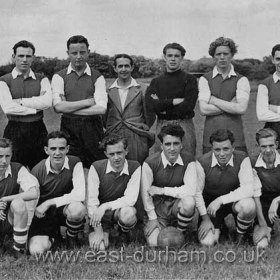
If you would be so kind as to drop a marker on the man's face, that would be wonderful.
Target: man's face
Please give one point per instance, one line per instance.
(57, 149)
(116, 155)
(171, 146)
(78, 55)
(276, 61)
(173, 59)
(223, 57)
(23, 59)
(5, 158)
(123, 68)
(222, 151)
(268, 148)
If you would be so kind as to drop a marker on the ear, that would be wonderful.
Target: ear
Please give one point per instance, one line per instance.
(105, 153)
(276, 144)
(67, 149)
(13, 57)
(46, 150)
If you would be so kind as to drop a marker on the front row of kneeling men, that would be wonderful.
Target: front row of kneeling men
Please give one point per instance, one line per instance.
(173, 185)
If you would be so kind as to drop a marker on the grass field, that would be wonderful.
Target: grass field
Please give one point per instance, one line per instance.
(224, 261)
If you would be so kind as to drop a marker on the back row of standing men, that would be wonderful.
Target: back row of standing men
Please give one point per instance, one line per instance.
(79, 93)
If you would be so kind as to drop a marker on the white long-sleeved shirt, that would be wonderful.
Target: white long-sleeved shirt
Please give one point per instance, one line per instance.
(262, 104)
(29, 105)
(130, 195)
(188, 189)
(26, 181)
(77, 194)
(242, 91)
(246, 180)
(100, 94)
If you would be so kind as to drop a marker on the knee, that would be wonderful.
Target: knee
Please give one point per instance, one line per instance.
(39, 245)
(187, 205)
(18, 206)
(246, 207)
(127, 215)
(76, 211)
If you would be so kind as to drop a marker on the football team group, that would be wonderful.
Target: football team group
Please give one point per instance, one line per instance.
(125, 155)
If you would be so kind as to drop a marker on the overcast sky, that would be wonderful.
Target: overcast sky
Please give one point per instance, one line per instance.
(140, 27)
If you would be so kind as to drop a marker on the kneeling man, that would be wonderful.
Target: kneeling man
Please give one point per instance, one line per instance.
(168, 185)
(224, 186)
(62, 192)
(267, 166)
(113, 188)
(17, 186)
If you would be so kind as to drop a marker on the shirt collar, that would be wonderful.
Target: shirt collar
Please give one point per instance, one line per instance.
(16, 73)
(70, 69)
(276, 78)
(215, 161)
(260, 162)
(166, 162)
(133, 83)
(231, 72)
(48, 164)
(109, 168)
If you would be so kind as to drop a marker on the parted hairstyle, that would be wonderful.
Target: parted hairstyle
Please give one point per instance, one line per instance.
(23, 44)
(274, 49)
(123, 55)
(57, 134)
(175, 46)
(113, 139)
(222, 41)
(221, 135)
(171, 129)
(6, 143)
(265, 133)
(77, 39)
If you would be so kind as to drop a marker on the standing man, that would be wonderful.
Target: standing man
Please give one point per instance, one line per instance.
(168, 185)
(113, 188)
(268, 100)
(62, 193)
(223, 95)
(224, 186)
(267, 166)
(79, 93)
(126, 113)
(17, 186)
(172, 97)
(24, 96)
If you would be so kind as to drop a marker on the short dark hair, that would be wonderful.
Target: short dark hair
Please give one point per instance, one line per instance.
(265, 133)
(175, 46)
(113, 139)
(221, 135)
(173, 130)
(274, 49)
(57, 134)
(77, 39)
(123, 55)
(23, 44)
(6, 143)
(222, 41)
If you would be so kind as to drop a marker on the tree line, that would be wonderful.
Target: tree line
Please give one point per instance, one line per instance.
(253, 69)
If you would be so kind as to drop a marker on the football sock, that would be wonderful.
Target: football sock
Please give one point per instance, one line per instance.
(73, 228)
(20, 238)
(183, 221)
(243, 225)
(126, 228)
